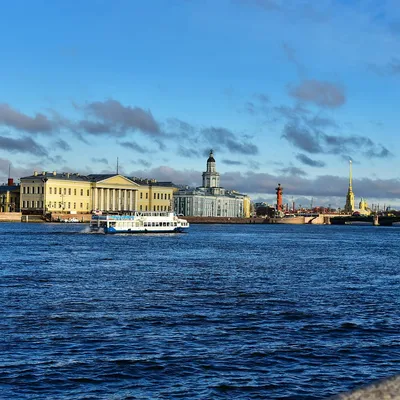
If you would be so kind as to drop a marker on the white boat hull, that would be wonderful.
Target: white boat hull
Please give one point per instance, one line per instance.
(139, 222)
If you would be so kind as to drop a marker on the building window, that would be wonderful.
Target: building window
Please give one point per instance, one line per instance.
(87, 192)
(162, 196)
(169, 196)
(158, 196)
(27, 190)
(55, 204)
(33, 189)
(42, 189)
(158, 208)
(141, 207)
(51, 190)
(55, 190)
(154, 208)
(81, 205)
(59, 190)
(74, 192)
(87, 206)
(147, 196)
(23, 203)
(146, 208)
(141, 195)
(74, 206)
(33, 204)
(155, 196)
(69, 205)
(81, 194)
(69, 192)
(65, 190)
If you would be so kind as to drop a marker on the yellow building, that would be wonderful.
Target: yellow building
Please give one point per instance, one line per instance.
(246, 207)
(74, 193)
(54, 192)
(9, 197)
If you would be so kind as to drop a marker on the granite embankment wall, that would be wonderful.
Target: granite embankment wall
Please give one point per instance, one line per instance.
(10, 217)
(388, 389)
(224, 220)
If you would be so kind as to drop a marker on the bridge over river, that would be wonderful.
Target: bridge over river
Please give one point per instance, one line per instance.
(367, 220)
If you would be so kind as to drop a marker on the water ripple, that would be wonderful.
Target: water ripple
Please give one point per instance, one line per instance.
(246, 312)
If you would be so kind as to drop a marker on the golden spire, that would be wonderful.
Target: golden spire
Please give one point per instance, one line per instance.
(349, 207)
(351, 175)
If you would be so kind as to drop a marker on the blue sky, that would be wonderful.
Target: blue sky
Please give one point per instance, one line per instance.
(283, 91)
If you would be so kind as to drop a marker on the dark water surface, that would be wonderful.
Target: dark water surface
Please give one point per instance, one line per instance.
(223, 312)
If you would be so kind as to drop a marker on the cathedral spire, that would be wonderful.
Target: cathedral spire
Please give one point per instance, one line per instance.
(349, 207)
(350, 175)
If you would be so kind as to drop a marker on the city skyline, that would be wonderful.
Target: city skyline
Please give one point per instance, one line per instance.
(284, 92)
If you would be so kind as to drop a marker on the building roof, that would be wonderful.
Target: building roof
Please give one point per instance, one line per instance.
(7, 188)
(94, 178)
(58, 176)
(211, 157)
(100, 177)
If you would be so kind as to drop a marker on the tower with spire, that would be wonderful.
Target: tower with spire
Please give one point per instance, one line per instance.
(211, 176)
(349, 207)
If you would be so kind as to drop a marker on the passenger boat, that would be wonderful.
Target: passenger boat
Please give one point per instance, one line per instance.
(138, 222)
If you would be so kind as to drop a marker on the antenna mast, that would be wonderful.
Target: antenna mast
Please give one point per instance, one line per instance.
(117, 167)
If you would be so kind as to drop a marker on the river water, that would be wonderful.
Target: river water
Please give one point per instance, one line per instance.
(223, 312)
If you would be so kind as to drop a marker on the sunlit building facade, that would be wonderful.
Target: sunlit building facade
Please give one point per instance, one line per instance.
(73, 193)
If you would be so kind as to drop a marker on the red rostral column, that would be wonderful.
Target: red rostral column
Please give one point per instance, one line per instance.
(279, 197)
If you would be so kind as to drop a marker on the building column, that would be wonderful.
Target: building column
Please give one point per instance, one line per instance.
(131, 200)
(94, 199)
(107, 198)
(101, 199)
(125, 199)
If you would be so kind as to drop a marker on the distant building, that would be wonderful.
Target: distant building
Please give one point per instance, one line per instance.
(363, 208)
(211, 200)
(72, 193)
(9, 197)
